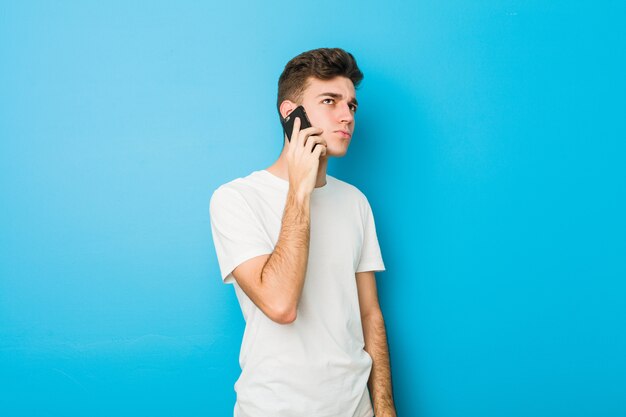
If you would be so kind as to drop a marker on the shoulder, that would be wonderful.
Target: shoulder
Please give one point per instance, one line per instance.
(348, 190)
(235, 190)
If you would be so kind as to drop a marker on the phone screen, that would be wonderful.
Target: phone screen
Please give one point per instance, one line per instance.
(291, 117)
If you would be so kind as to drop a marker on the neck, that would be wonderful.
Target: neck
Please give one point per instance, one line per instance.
(281, 170)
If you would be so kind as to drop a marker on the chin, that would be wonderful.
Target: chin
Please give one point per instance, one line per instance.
(337, 149)
(336, 153)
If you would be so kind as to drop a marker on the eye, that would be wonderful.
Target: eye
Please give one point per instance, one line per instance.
(353, 107)
(328, 101)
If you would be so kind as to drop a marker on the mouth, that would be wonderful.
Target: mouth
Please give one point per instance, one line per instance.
(344, 134)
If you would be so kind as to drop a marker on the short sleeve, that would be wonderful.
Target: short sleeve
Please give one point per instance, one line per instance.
(371, 257)
(237, 233)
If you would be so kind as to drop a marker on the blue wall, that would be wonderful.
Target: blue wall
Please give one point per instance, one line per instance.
(490, 141)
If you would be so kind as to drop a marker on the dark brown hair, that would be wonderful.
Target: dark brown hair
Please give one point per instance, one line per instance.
(323, 64)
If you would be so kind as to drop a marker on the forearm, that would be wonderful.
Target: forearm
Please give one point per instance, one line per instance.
(284, 271)
(380, 378)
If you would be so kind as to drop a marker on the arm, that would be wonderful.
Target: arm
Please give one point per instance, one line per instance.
(274, 282)
(376, 345)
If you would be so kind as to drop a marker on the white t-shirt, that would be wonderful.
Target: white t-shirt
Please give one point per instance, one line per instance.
(315, 366)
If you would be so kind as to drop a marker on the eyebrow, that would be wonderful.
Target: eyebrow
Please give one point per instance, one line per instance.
(339, 96)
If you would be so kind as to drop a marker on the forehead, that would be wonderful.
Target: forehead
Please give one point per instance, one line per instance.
(337, 85)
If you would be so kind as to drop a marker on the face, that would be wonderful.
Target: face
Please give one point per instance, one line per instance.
(331, 105)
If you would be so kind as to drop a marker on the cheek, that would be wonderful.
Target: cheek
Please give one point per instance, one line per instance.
(315, 113)
(321, 110)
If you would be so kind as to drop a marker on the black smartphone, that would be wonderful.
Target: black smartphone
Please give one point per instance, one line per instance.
(291, 117)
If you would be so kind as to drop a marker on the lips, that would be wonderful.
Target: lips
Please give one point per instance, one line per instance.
(344, 134)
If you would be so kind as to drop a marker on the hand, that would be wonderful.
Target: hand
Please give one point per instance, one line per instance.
(303, 158)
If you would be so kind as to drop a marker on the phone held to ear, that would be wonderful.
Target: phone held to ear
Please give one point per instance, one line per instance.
(291, 117)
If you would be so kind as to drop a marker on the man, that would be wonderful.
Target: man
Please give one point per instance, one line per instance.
(300, 248)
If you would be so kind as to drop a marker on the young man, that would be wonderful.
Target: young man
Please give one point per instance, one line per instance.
(300, 248)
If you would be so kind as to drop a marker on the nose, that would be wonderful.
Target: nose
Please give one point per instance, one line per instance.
(345, 114)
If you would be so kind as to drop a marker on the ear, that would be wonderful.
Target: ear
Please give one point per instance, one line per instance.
(287, 107)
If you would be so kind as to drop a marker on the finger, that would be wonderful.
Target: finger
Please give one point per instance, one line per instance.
(313, 141)
(320, 149)
(311, 131)
(299, 144)
(295, 132)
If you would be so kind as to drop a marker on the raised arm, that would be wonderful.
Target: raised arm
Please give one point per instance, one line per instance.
(274, 282)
